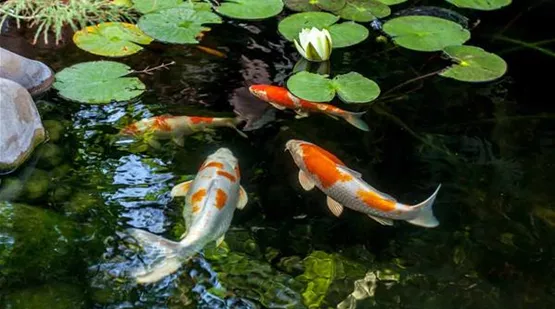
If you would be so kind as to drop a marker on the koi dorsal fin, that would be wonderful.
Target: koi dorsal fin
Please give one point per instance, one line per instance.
(350, 171)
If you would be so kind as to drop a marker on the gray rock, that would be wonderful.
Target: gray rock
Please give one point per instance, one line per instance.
(21, 128)
(36, 76)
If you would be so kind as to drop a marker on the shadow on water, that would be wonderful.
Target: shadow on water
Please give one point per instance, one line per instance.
(492, 146)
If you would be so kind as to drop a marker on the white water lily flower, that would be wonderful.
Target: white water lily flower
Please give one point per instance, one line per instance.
(315, 45)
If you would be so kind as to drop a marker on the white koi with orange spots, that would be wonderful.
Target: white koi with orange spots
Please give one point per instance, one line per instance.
(177, 127)
(345, 188)
(210, 201)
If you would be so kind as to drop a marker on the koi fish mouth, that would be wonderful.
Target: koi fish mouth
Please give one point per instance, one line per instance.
(292, 145)
(258, 92)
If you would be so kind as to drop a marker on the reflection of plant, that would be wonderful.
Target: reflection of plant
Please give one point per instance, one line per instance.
(54, 15)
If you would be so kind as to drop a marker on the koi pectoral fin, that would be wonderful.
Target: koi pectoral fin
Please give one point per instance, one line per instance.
(179, 141)
(181, 189)
(305, 182)
(300, 114)
(334, 206)
(243, 198)
(220, 240)
(277, 106)
(382, 221)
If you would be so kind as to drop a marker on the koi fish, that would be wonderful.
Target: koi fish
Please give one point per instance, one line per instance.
(210, 201)
(282, 99)
(177, 127)
(344, 187)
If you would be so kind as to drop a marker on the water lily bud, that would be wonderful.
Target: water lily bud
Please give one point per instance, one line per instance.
(314, 44)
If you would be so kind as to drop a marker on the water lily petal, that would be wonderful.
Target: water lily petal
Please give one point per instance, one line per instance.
(312, 54)
(304, 38)
(300, 49)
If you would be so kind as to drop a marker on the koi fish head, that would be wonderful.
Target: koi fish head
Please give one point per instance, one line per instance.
(223, 159)
(294, 146)
(137, 127)
(260, 91)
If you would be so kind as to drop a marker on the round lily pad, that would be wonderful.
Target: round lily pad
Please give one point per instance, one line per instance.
(311, 87)
(425, 33)
(364, 10)
(351, 87)
(149, 6)
(301, 5)
(178, 25)
(391, 2)
(473, 64)
(250, 9)
(347, 34)
(112, 39)
(291, 26)
(355, 88)
(331, 5)
(98, 82)
(484, 5)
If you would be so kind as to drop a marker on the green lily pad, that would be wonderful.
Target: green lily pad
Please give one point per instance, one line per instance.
(355, 88)
(98, 82)
(178, 25)
(250, 9)
(112, 39)
(425, 33)
(473, 64)
(149, 6)
(331, 5)
(347, 34)
(391, 2)
(301, 5)
(484, 5)
(351, 87)
(291, 26)
(342, 35)
(311, 87)
(364, 10)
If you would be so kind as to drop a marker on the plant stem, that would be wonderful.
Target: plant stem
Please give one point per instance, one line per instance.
(413, 80)
(538, 43)
(526, 44)
(149, 71)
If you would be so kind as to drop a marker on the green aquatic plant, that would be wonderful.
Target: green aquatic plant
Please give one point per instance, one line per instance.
(52, 16)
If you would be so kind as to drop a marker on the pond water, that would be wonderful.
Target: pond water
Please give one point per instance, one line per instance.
(490, 145)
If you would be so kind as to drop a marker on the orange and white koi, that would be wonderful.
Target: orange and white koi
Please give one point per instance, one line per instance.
(177, 127)
(210, 201)
(282, 99)
(345, 188)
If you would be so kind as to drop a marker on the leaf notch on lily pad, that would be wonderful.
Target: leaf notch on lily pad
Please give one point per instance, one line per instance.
(179, 25)
(364, 10)
(425, 33)
(484, 5)
(473, 64)
(111, 39)
(342, 35)
(351, 87)
(250, 9)
(98, 82)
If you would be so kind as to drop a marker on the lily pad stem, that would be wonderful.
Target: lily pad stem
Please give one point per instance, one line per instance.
(149, 70)
(413, 80)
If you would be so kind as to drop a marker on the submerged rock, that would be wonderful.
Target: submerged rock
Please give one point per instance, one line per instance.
(34, 75)
(21, 128)
(51, 295)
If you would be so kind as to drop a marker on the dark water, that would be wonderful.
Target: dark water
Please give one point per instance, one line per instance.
(492, 146)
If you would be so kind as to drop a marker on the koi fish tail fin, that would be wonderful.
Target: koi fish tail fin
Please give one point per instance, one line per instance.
(356, 120)
(233, 124)
(425, 217)
(161, 257)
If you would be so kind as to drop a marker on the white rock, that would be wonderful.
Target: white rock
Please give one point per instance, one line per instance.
(21, 128)
(36, 76)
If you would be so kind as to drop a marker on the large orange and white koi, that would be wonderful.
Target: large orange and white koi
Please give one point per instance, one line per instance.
(282, 99)
(177, 127)
(345, 188)
(210, 201)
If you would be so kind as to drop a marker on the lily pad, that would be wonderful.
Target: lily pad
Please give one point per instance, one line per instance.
(98, 82)
(351, 87)
(311, 87)
(301, 5)
(425, 33)
(250, 9)
(347, 34)
(342, 35)
(364, 10)
(484, 5)
(291, 26)
(331, 5)
(149, 6)
(111, 39)
(355, 88)
(178, 25)
(473, 64)
(391, 2)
